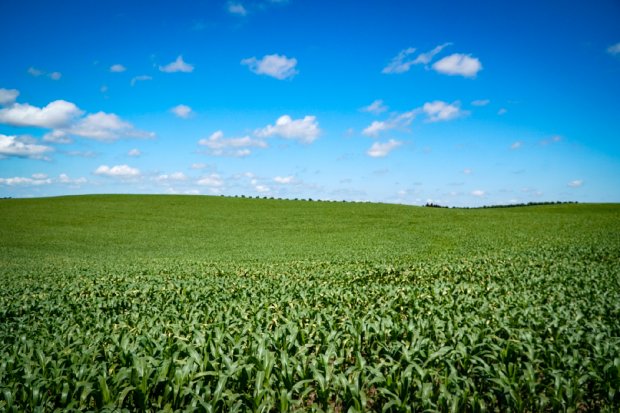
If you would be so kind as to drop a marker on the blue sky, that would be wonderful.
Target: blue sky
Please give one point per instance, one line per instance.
(457, 103)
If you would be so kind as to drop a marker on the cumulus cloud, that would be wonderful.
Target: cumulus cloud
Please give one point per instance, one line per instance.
(182, 111)
(177, 66)
(614, 49)
(170, 178)
(458, 64)
(118, 171)
(8, 96)
(21, 147)
(439, 111)
(105, 127)
(237, 147)
(478, 192)
(65, 179)
(35, 72)
(379, 150)
(399, 121)
(304, 130)
(213, 180)
(576, 183)
(274, 65)
(284, 179)
(56, 114)
(140, 78)
(237, 8)
(135, 152)
(57, 136)
(375, 107)
(35, 180)
(516, 145)
(117, 68)
(426, 58)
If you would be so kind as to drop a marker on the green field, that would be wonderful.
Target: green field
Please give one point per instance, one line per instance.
(150, 303)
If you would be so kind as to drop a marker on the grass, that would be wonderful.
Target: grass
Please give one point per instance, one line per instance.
(212, 303)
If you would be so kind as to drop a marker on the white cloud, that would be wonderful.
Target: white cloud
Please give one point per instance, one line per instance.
(105, 127)
(304, 130)
(481, 102)
(199, 166)
(401, 62)
(458, 64)
(8, 96)
(117, 68)
(284, 179)
(379, 150)
(213, 180)
(177, 66)
(55, 75)
(35, 72)
(576, 183)
(274, 65)
(614, 50)
(467, 171)
(182, 111)
(118, 171)
(502, 111)
(375, 107)
(21, 148)
(56, 114)
(171, 178)
(134, 152)
(516, 145)
(478, 192)
(37, 179)
(238, 147)
(261, 188)
(57, 136)
(237, 8)
(426, 58)
(439, 111)
(140, 78)
(399, 121)
(65, 179)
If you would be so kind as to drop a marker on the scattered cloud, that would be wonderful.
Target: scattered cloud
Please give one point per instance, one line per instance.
(56, 114)
(8, 96)
(576, 183)
(379, 150)
(177, 66)
(118, 171)
(35, 72)
(65, 179)
(614, 49)
(439, 111)
(478, 192)
(467, 171)
(426, 58)
(458, 64)
(304, 130)
(375, 107)
(274, 65)
(480, 102)
(105, 127)
(284, 179)
(117, 68)
(398, 121)
(104, 89)
(516, 145)
(140, 78)
(552, 140)
(199, 165)
(213, 180)
(55, 75)
(35, 180)
(237, 8)
(168, 179)
(135, 152)
(22, 147)
(57, 136)
(401, 62)
(502, 111)
(236, 147)
(182, 111)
